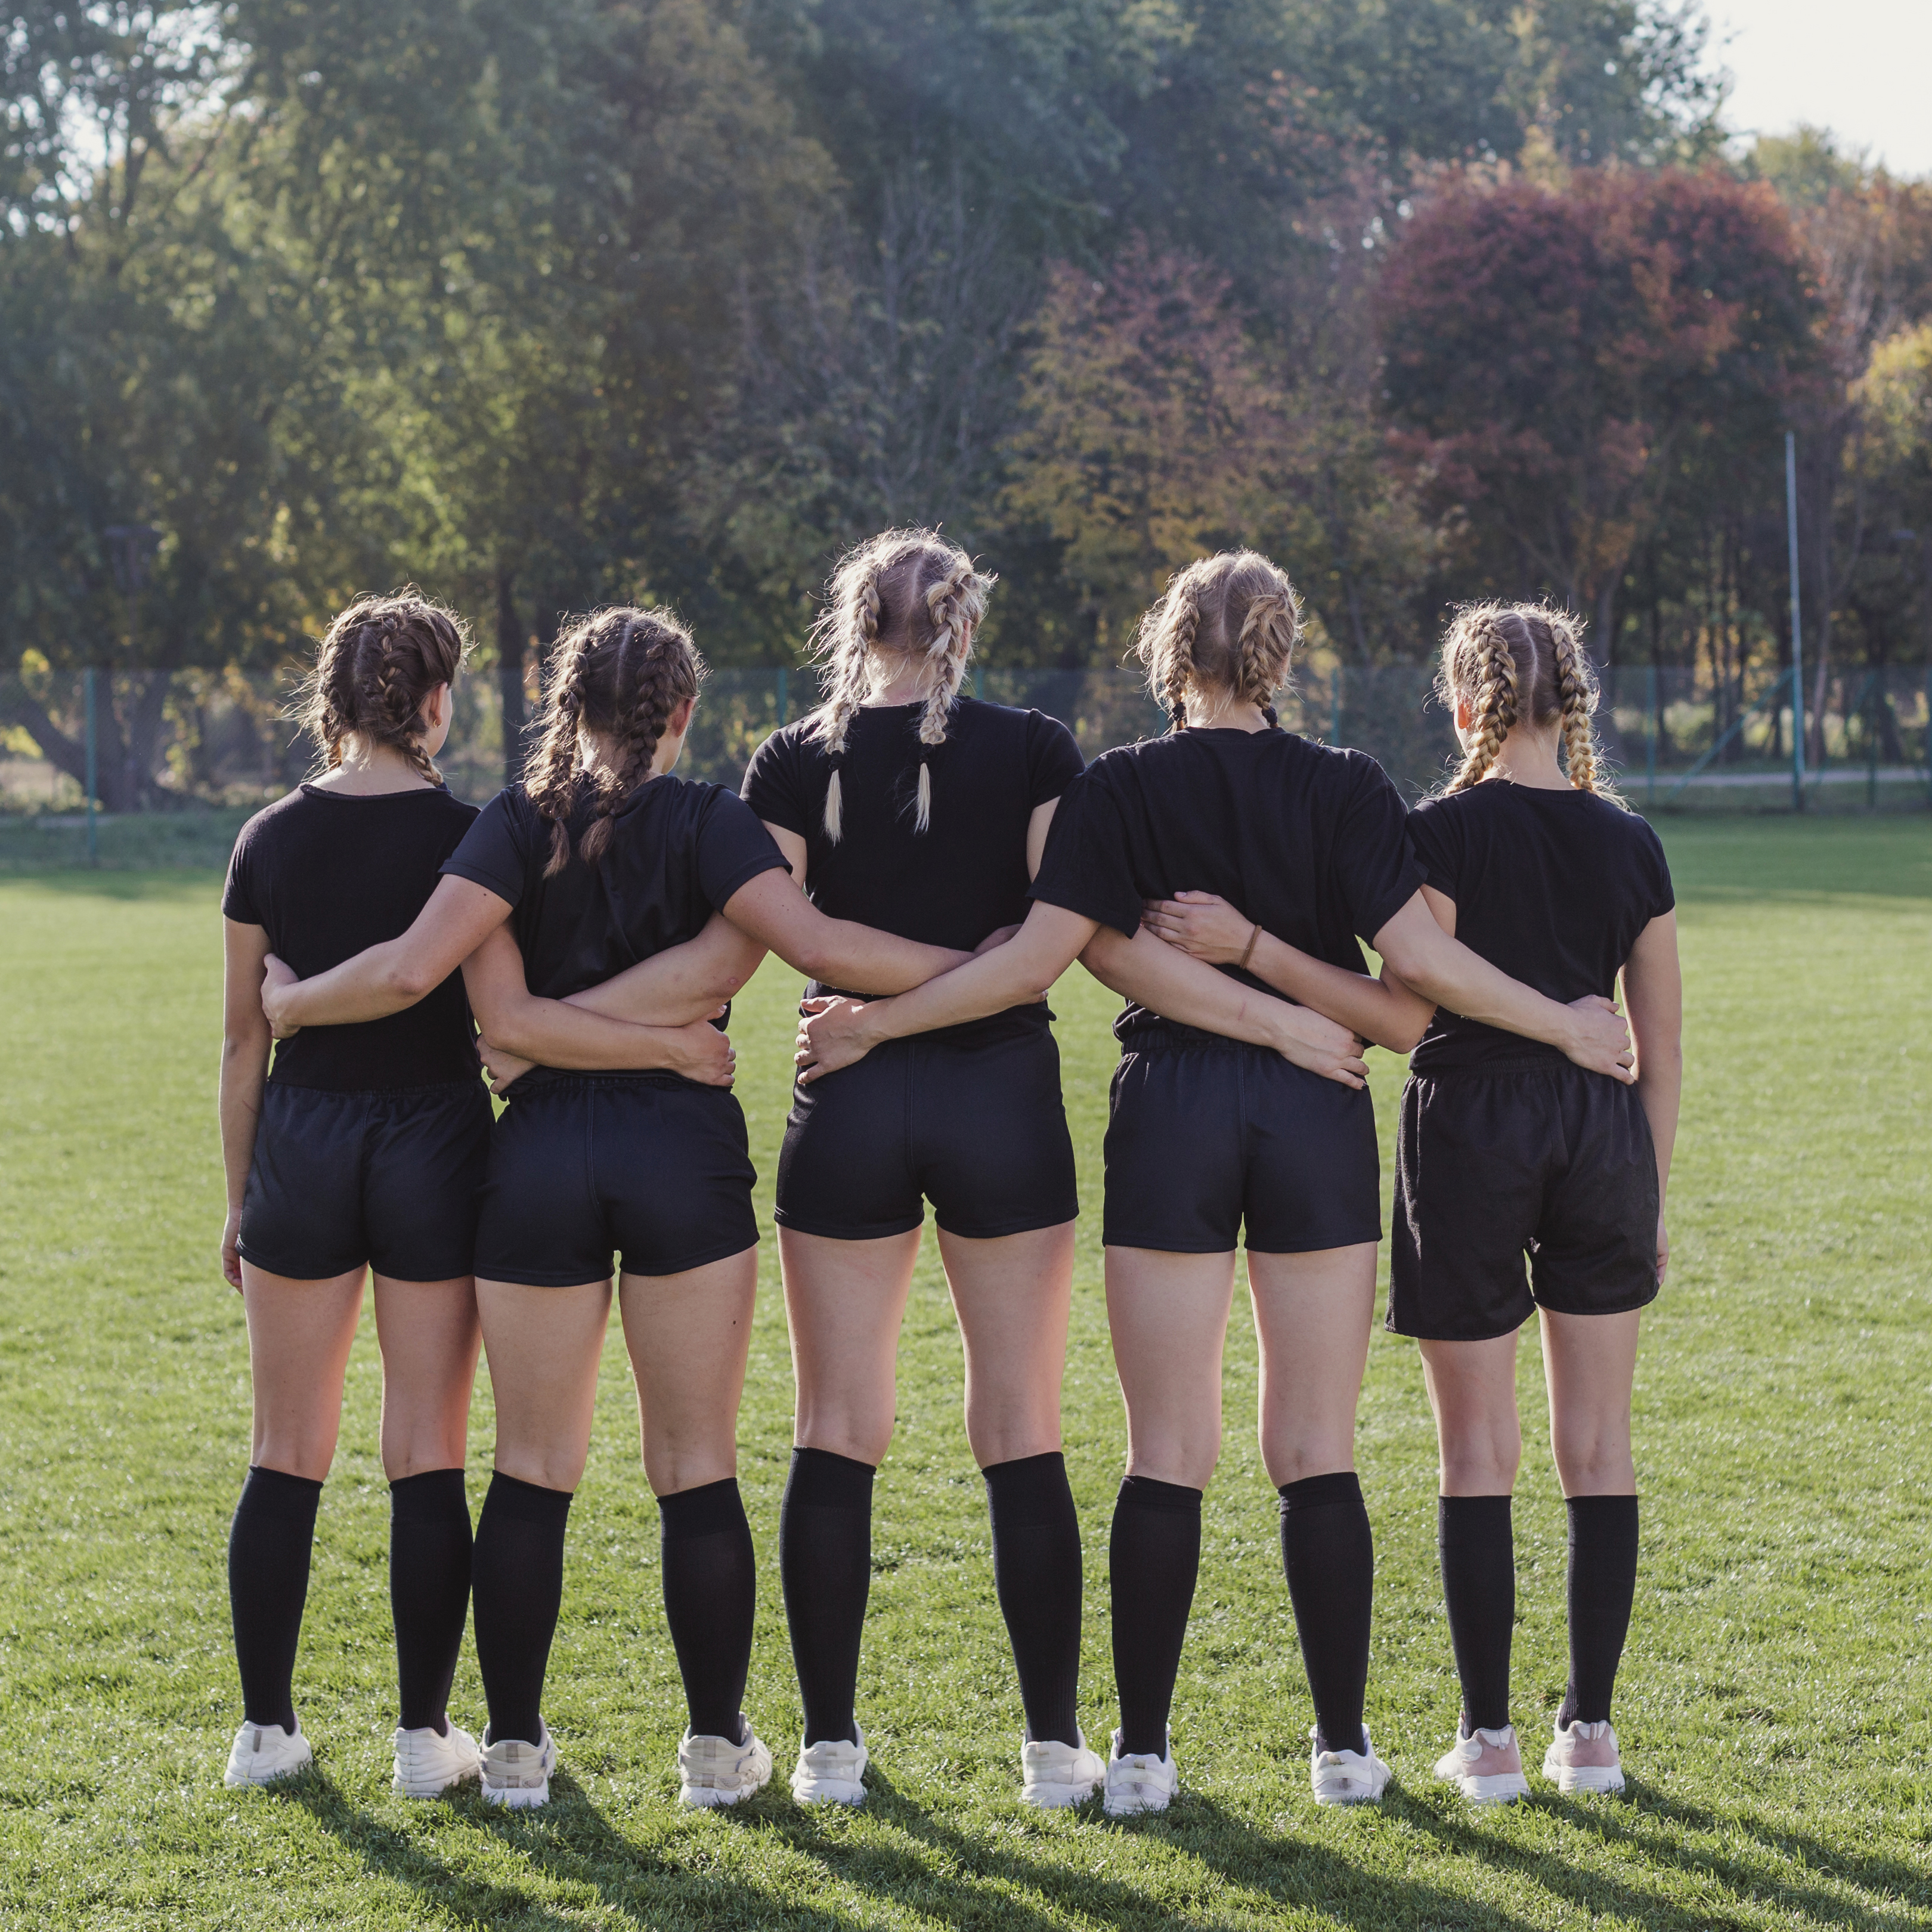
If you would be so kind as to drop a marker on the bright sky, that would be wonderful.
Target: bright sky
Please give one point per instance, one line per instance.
(1862, 68)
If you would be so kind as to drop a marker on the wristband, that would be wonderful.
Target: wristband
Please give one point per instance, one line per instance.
(1248, 951)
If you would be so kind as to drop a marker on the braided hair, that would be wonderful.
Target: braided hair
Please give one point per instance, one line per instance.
(1516, 664)
(902, 593)
(376, 668)
(1228, 627)
(619, 674)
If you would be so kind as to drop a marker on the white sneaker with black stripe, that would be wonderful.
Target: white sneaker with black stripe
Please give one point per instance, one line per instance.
(262, 1753)
(1346, 1776)
(1139, 1781)
(516, 1773)
(712, 1771)
(1586, 1779)
(1463, 1765)
(1054, 1775)
(428, 1762)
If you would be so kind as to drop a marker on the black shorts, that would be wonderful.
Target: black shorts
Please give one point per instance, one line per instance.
(1522, 1155)
(387, 1179)
(1205, 1134)
(973, 1122)
(653, 1166)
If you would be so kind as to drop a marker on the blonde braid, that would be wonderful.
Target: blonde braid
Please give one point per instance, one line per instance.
(1494, 675)
(848, 634)
(948, 604)
(1575, 693)
(1269, 633)
(1183, 625)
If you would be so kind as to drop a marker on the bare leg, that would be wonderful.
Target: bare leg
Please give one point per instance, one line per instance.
(544, 1344)
(430, 1337)
(1168, 1316)
(299, 1336)
(845, 1303)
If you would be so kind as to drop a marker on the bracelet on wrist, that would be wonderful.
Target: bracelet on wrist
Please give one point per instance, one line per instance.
(1248, 951)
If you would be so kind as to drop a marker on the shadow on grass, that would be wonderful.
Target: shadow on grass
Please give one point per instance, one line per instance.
(1611, 1821)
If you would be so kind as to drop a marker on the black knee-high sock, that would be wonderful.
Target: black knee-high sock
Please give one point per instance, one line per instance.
(1478, 1547)
(1153, 1556)
(1329, 1552)
(1036, 1573)
(517, 1589)
(430, 1547)
(269, 1546)
(1602, 1581)
(825, 1563)
(711, 1593)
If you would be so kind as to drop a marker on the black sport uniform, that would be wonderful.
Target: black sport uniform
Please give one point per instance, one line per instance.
(1206, 1132)
(1504, 1144)
(372, 1140)
(649, 1163)
(968, 1116)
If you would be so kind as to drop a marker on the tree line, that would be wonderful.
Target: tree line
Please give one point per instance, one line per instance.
(541, 304)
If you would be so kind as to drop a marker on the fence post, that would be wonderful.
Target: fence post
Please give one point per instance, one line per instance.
(1797, 645)
(93, 837)
(1874, 699)
(784, 699)
(1650, 734)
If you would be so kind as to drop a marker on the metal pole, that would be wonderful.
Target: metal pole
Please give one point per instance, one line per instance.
(1797, 641)
(1650, 734)
(93, 837)
(784, 701)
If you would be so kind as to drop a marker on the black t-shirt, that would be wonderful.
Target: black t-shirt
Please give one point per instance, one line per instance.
(1552, 886)
(328, 873)
(1307, 840)
(678, 851)
(966, 874)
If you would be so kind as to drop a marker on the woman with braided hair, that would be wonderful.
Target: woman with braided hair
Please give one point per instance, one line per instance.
(604, 910)
(359, 1151)
(1505, 1146)
(1231, 1108)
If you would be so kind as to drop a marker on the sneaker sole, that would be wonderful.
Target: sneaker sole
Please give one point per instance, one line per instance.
(233, 1782)
(1058, 1797)
(518, 1797)
(1586, 1781)
(1133, 1807)
(1373, 1795)
(405, 1787)
(1504, 1788)
(830, 1793)
(714, 1797)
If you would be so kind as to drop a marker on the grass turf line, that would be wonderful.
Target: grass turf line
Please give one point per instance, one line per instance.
(1774, 1704)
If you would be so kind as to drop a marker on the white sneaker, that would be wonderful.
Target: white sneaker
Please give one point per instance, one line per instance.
(262, 1753)
(1347, 1777)
(1457, 1766)
(517, 1773)
(1140, 1781)
(1572, 1778)
(1053, 1775)
(831, 1772)
(428, 1762)
(716, 1771)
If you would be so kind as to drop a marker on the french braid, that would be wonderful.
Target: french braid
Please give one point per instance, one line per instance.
(1224, 631)
(376, 666)
(901, 592)
(616, 673)
(1577, 698)
(1485, 658)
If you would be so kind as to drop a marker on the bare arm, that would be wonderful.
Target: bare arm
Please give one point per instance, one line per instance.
(1654, 996)
(773, 909)
(1209, 928)
(557, 1032)
(1421, 954)
(245, 1044)
(676, 986)
(385, 978)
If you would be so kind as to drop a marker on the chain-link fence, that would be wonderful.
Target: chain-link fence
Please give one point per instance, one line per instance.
(154, 740)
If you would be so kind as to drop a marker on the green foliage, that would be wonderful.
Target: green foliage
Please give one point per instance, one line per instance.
(1772, 1706)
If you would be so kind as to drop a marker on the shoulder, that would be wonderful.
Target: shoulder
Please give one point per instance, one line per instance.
(459, 811)
(1045, 733)
(791, 743)
(272, 818)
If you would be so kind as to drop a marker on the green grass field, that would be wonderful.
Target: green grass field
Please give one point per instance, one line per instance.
(1774, 1702)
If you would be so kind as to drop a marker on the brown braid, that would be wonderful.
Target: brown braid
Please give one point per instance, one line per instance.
(376, 666)
(903, 592)
(1576, 697)
(1226, 630)
(619, 674)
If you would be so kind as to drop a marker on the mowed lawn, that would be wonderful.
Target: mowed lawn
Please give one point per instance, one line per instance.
(1774, 1702)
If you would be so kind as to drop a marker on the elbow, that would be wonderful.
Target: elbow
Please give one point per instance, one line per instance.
(1404, 1038)
(409, 981)
(1403, 958)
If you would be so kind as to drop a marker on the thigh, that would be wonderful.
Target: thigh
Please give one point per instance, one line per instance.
(1472, 1152)
(1312, 1314)
(672, 1175)
(299, 1336)
(688, 1335)
(543, 1345)
(427, 1153)
(1013, 1297)
(989, 1141)
(1174, 1151)
(429, 1336)
(845, 1170)
(1168, 1314)
(1472, 1391)
(302, 1212)
(1590, 1363)
(844, 1303)
(1311, 1172)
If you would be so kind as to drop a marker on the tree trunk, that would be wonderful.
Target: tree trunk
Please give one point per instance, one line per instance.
(510, 635)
